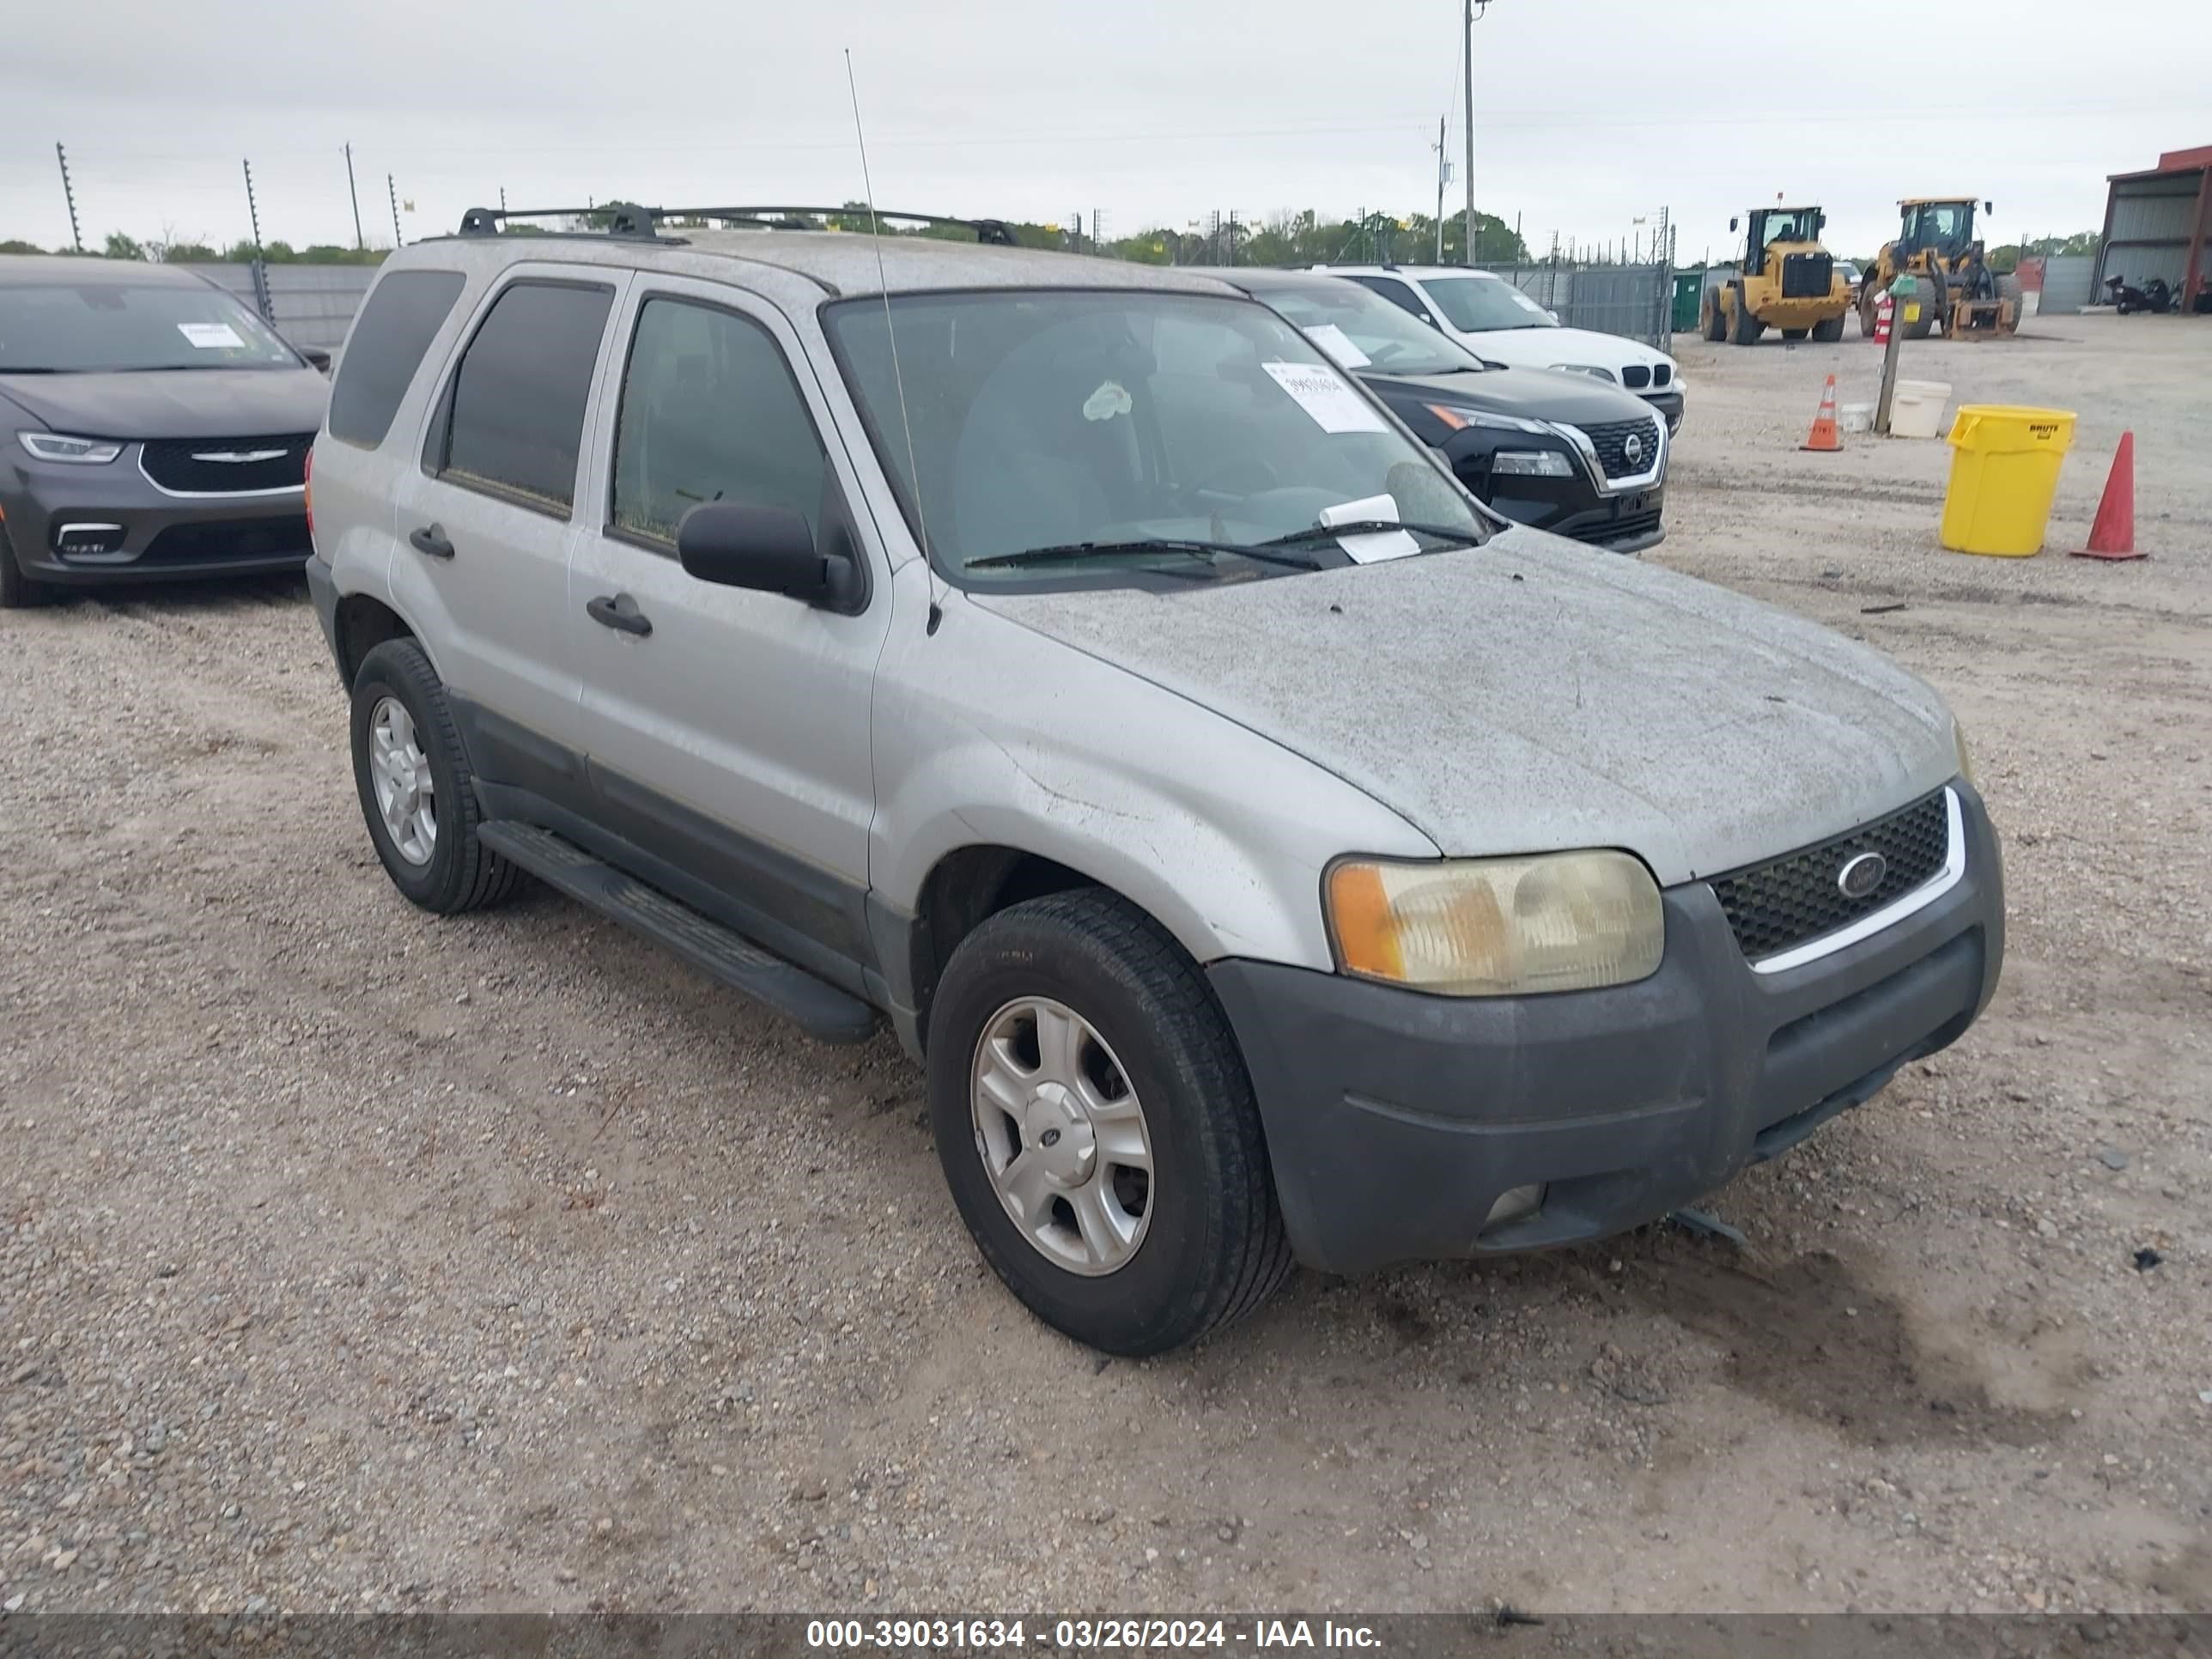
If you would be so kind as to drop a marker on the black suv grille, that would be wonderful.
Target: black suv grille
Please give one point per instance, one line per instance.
(1611, 441)
(177, 463)
(1808, 276)
(1775, 907)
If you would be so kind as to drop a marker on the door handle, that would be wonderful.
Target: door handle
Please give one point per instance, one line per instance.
(430, 539)
(619, 612)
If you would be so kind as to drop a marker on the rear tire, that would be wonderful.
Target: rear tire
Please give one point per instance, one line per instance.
(1830, 330)
(1794, 333)
(1746, 328)
(447, 870)
(1210, 1245)
(1716, 319)
(2010, 291)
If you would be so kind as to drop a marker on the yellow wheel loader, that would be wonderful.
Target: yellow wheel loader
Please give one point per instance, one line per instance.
(1787, 281)
(1957, 291)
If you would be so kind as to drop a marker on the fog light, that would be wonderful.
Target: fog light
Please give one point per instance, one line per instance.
(79, 540)
(1513, 1205)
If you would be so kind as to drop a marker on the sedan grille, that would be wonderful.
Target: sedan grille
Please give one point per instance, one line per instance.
(1635, 376)
(227, 466)
(1611, 442)
(1661, 374)
(1775, 907)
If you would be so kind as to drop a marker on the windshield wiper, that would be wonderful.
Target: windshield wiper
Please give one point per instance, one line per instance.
(1075, 552)
(1328, 532)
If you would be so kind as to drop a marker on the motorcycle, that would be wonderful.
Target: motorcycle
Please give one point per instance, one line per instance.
(2154, 296)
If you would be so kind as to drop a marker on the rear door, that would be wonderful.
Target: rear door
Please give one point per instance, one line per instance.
(487, 521)
(730, 742)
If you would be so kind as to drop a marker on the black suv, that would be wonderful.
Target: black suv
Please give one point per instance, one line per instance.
(1562, 452)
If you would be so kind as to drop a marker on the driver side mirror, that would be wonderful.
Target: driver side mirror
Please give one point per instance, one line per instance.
(1990, 208)
(1733, 223)
(770, 550)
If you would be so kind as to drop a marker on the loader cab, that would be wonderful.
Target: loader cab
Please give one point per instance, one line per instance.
(1943, 228)
(1791, 226)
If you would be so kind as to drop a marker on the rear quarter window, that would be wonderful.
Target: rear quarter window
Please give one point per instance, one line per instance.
(402, 315)
(514, 419)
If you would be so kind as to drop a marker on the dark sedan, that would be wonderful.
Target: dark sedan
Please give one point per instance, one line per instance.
(1562, 452)
(150, 427)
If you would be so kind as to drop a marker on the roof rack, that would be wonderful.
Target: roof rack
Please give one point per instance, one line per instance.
(628, 219)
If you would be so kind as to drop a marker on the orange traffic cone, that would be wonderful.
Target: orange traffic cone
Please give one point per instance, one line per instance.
(1826, 434)
(2112, 535)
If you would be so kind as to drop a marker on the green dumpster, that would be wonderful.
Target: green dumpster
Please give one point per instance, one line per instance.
(1689, 290)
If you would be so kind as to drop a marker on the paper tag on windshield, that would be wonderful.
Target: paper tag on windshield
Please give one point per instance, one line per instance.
(1377, 545)
(212, 336)
(1335, 342)
(1322, 393)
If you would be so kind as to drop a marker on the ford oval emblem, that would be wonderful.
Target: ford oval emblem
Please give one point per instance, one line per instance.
(1860, 875)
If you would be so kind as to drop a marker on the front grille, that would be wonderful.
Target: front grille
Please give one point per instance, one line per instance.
(1611, 441)
(1808, 276)
(223, 540)
(179, 464)
(1662, 374)
(1775, 907)
(1635, 376)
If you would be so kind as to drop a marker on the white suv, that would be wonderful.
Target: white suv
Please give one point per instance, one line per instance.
(1496, 320)
(1266, 851)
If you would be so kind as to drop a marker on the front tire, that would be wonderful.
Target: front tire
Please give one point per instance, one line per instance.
(415, 788)
(1792, 333)
(1746, 327)
(1097, 1127)
(1716, 319)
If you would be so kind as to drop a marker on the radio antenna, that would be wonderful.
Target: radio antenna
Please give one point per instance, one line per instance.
(891, 333)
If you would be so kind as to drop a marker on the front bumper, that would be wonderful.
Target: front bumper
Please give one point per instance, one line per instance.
(82, 525)
(1669, 404)
(1395, 1120)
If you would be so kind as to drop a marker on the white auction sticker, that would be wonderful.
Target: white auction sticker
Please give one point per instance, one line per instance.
(1335, 342)
(212, 336)
(1322, 392)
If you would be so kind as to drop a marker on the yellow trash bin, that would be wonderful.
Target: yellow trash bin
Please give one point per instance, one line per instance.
(2004, 472)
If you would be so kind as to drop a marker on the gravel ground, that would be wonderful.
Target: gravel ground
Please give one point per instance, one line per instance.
(352, 1259)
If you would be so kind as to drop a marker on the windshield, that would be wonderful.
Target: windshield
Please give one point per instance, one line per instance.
(81, 328)
(1789, 225)
(1337, 314)
(1484, 302)
(1097, 425)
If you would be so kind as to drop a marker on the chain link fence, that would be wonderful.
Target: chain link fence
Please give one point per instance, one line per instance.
(1636, 301)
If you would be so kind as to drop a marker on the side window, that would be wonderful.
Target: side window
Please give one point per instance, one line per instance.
(401, 316)
(1399, 293)
(516, 423)
(709, 412)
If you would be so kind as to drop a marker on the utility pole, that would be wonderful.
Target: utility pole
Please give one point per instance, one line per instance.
(1473, 9)
(355, 196)
(69, 194)
(391, 190)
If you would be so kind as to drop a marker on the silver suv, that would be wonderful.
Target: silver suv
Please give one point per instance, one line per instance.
(1269, 854)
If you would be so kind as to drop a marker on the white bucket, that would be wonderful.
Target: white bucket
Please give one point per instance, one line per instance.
(1916, 409)
(1856, 418)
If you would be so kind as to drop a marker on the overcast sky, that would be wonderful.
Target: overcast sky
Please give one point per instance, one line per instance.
(1589, 113)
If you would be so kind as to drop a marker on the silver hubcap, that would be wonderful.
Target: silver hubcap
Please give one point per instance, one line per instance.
(1062, 1136)
(400, 773)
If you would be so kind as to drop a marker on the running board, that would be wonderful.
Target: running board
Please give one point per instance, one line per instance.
(820, 1009)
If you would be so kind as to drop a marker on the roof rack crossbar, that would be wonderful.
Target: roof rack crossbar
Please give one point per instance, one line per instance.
(628, 219)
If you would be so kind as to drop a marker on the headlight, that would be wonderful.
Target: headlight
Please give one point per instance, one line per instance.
(1530, 464)
(1966, 757)
(1485, 927)
(1458, 419)
(58, 446)
(1584, 369)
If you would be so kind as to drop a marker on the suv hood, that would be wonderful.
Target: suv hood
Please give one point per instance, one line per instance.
(1577, 399)
(1532, 695)
(185, 403)
(1540, 348)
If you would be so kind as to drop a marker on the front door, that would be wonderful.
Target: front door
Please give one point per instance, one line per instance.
(728, 730)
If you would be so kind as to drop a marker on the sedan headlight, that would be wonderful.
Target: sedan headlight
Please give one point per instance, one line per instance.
(1486, 927)
(1585, 368)
(59, 446)
(1530, 464)
(1458, 418)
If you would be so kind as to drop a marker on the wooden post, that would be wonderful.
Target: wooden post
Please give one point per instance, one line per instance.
(1903, 289)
